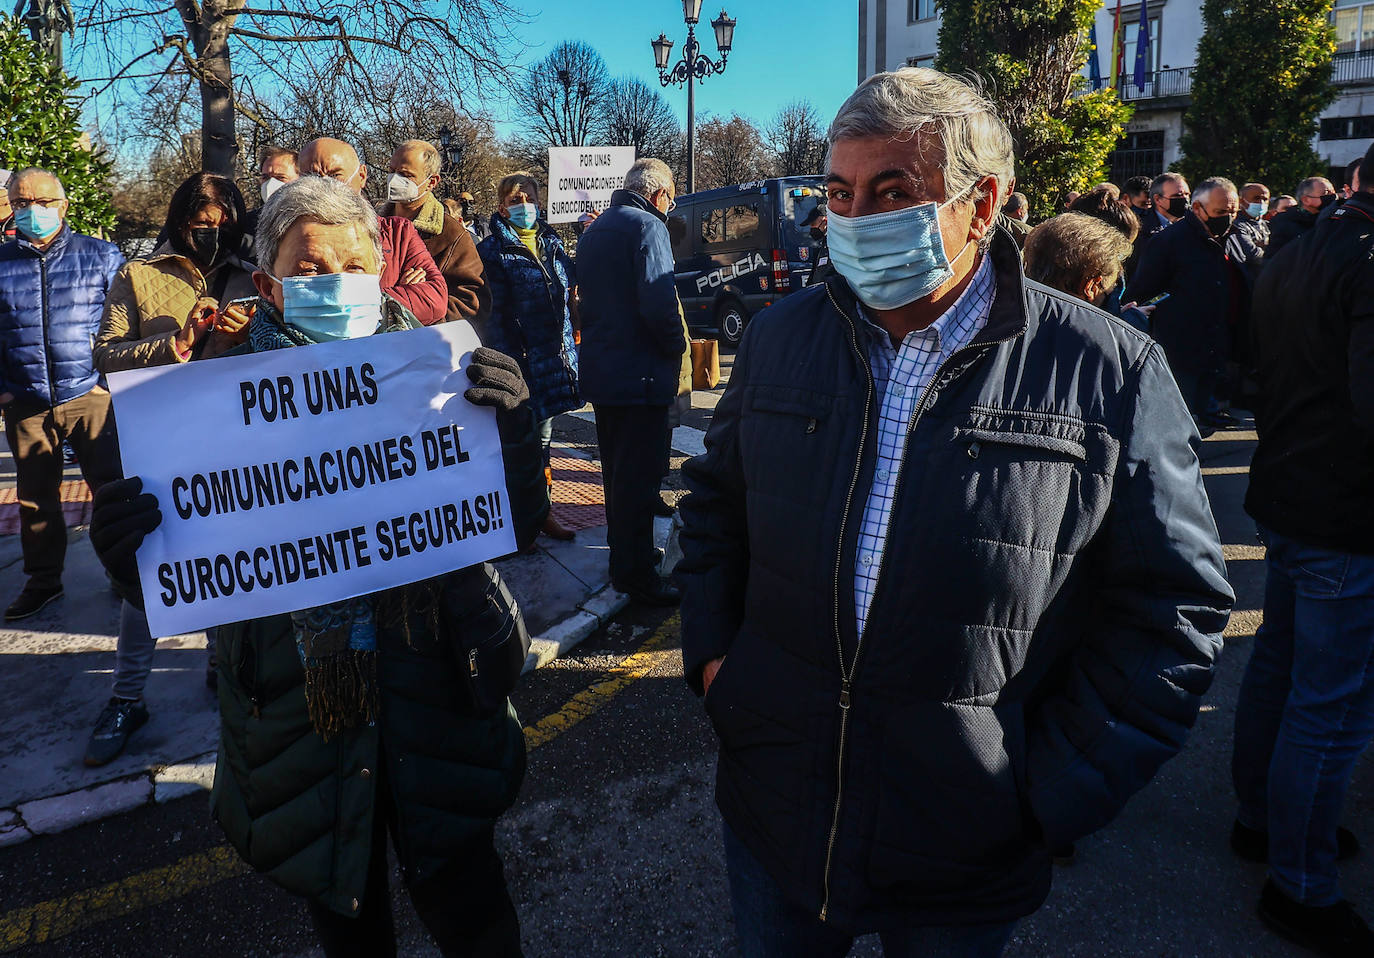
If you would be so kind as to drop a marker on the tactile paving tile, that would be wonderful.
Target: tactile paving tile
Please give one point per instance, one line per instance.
(76, 506)
(579, 501)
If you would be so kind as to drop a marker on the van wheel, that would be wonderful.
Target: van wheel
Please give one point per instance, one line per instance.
(730, 320)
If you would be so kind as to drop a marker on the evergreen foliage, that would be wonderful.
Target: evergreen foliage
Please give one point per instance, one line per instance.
(1263, 76)
(40, 125)
(1029, 55)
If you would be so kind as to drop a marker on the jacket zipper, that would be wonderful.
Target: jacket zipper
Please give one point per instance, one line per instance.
(521, 248)
(47, 351)
(847, 676)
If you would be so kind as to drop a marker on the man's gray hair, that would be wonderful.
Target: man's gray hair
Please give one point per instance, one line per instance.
(1157, 184)
(29, 172)
(315, 198)
(914, 100)
(1210, 185)
(1305, 188)
(648, 176)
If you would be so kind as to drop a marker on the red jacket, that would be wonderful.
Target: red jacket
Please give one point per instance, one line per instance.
(402, 249)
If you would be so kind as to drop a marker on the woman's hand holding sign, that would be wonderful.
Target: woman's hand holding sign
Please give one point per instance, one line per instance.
(122, 516)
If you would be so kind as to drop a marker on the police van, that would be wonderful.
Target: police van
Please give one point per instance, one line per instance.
(739, 248)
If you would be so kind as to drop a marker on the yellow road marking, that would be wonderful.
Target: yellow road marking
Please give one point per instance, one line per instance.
(1225, 470)
(58, 917)
(1235, 435)
(1244, 623)
(1237, 553)
(49, 920)
(633, 668)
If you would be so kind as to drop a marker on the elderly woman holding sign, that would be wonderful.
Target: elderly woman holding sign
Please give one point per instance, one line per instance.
(384, 713)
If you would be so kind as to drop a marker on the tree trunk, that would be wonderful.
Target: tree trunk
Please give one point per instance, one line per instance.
(209, 31)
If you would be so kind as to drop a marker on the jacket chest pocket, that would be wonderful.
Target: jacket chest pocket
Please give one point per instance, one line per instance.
(788, 440)
(1036, 480)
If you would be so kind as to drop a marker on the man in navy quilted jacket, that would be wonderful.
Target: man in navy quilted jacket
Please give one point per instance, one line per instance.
(52, 290)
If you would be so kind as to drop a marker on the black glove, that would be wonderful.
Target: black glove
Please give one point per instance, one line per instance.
(496, 381)
(122, 517)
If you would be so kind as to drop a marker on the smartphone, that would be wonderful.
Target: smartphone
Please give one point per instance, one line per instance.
(1157, 300)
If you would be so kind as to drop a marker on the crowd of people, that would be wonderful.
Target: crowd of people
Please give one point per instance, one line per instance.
(994, 623)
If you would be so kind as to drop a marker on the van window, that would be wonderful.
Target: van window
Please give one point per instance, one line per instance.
(677, 235)
(732, 224)
(800, 205)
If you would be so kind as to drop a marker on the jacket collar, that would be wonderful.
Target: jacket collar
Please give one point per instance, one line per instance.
(631, 198)
(429, 220)
(165, 250)
(1361, 201)
(58, 244)
(502, 228)
(1007, 317)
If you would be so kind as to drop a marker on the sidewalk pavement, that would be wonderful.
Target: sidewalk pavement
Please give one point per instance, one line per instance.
(57, 667)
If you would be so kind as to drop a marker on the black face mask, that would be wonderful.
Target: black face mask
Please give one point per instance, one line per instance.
(817, 233)
(1178, 205)
(1327, 200)
(205, 243)
(1218, 225)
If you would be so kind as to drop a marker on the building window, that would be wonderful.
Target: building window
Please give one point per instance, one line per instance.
(1130, 31)
(1137, 154)
(1354, 22)
(1347, 128)
(920, 10)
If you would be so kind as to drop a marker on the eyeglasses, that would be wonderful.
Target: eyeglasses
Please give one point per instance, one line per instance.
(46, 202)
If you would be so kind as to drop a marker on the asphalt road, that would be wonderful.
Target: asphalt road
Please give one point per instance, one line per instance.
(613, 847)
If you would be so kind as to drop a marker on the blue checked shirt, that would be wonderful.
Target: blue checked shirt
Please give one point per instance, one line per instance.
(900, 378)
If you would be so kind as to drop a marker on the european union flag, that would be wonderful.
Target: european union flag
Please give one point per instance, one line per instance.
(1142, 47)
(1094, 67)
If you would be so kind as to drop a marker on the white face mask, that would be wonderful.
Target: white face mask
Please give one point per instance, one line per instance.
(401, 189)
(269, 187)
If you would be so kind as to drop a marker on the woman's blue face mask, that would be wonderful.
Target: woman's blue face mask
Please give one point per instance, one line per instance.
(332, 306)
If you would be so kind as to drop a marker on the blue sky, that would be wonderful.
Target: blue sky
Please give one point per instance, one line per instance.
(783, 51)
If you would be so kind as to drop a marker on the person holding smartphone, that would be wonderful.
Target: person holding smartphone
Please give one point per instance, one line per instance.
(161, 310)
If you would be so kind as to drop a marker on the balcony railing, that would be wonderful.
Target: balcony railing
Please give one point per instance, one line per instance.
(1160, 83)
(1353, 67)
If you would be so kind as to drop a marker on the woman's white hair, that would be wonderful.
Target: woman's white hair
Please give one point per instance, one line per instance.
(318, 199)
(914, 100)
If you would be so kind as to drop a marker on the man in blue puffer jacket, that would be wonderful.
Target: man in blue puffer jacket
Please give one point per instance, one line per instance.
(52, 290)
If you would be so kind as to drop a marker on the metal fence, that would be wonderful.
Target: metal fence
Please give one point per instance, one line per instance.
(1160, 83)
(1351, 67)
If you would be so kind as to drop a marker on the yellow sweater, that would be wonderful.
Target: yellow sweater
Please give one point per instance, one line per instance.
(528, 237)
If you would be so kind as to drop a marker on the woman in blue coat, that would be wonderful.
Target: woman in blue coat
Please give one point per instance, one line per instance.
(531, 279)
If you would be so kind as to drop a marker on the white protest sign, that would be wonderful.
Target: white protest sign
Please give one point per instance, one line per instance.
(582, 178)
(298, 477)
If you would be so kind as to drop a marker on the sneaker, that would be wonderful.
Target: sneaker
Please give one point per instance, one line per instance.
(1333, 930)
(1252, 844)
(33, 598)
(120, 719)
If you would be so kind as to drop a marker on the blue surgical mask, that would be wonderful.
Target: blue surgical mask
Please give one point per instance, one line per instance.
(890, 259)
(523, 215)
(38, 222)
(1256, 210)
(333, 305)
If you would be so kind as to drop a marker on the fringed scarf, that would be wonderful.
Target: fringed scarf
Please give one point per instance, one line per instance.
(337, 643)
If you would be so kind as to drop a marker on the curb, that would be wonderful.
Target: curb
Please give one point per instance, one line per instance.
(164, 783)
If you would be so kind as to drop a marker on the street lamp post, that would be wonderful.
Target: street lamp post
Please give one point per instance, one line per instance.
(693, 66)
